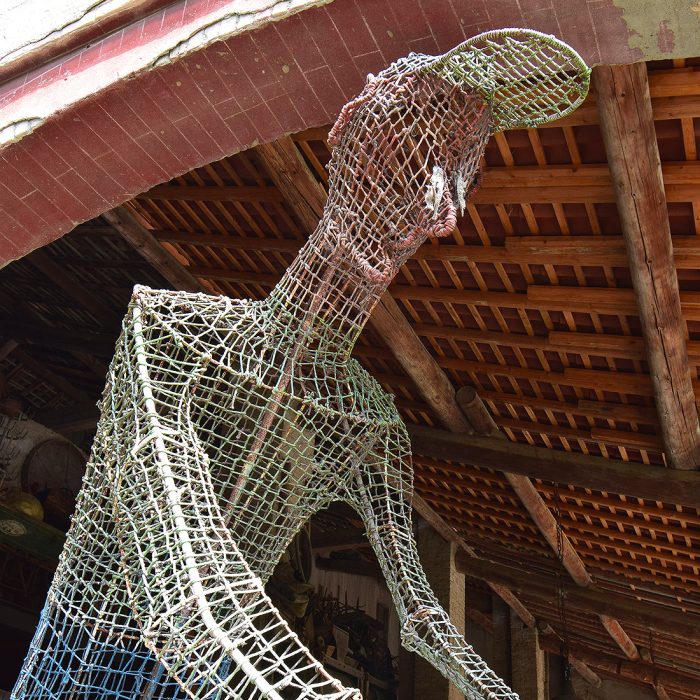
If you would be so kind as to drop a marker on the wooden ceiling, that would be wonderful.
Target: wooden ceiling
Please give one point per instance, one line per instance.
(530, 302)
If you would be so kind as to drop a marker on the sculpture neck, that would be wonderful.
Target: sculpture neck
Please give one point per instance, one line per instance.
(323, 301)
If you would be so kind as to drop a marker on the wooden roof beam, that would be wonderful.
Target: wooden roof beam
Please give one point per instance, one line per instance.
(145, 243)
(593, 600)
(616, 668)
(483, 423)
(627, 126)
(584, 471)
(101, 344)
(69, 421)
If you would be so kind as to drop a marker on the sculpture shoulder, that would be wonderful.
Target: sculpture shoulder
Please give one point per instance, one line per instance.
(227, 330)
(370, 399)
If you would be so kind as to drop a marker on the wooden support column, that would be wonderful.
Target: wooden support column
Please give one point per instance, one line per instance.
(437, 557)
(528, 671)
(627, 125)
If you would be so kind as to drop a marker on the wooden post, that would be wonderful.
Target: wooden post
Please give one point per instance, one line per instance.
(528, 662)
(627, 125)
(437, 557)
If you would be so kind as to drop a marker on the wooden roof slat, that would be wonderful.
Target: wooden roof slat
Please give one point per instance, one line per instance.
(212, 193)
(592, 599)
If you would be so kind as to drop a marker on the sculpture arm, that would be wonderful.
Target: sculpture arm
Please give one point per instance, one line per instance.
(381, 493)
(200, 608)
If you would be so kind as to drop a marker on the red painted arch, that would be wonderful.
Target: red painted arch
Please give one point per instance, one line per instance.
(252, 88)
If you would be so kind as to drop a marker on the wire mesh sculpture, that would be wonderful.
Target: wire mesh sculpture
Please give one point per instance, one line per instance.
(226, 424)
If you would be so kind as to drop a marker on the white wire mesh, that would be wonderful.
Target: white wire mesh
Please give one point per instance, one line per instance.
(226, 424)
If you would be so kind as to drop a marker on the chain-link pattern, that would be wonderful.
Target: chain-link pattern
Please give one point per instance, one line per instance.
(226, 424)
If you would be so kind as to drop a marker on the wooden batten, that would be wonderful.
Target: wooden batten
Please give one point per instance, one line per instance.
(627, 126)
(613, 667)
(592, 600)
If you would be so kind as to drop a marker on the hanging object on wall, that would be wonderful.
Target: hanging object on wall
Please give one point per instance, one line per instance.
(226, 424)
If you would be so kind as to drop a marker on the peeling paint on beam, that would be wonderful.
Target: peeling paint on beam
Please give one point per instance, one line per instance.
(660, 30)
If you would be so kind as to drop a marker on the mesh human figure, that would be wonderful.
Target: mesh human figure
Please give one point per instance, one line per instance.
(225, 424)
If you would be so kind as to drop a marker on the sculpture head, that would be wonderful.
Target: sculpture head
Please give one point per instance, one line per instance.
(407, 150)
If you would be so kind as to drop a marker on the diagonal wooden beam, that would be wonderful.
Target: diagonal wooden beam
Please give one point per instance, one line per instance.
(627, 126)
(483, 423)
(294, 180)
(479, 416)
(145, 243)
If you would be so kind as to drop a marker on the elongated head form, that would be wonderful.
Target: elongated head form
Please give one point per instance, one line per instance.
(407, 150)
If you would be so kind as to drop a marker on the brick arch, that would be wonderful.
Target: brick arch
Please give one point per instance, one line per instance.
(252, 88)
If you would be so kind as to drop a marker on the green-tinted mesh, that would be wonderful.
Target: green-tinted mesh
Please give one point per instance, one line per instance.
(226, 424)
(529, 78)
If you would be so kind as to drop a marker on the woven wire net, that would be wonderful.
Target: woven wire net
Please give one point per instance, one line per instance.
(225, 424)
(529, 78)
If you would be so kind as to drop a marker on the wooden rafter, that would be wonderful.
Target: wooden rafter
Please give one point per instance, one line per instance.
(212, 193)
(630, 671)
(593, 600)
(627, 125)
(43, 262)
(484, 424)
(586, 471)
(62, 384)
(143, 241)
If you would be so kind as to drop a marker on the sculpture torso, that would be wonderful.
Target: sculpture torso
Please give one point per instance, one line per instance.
(324, 422)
